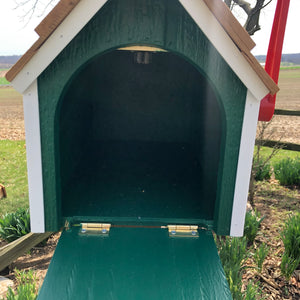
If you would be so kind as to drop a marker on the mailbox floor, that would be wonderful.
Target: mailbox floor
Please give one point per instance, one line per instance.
(135, 263)
(149, 186)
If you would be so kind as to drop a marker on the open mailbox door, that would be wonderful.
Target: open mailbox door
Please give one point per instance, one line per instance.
(135, 263)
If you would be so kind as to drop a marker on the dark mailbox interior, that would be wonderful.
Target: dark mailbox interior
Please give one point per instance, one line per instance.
(139, 137)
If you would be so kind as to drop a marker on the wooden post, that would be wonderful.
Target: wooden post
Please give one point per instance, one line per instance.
(3, 193)
(15, 249)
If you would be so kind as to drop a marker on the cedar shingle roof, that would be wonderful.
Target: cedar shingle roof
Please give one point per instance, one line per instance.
(221, 12)
(44, 30)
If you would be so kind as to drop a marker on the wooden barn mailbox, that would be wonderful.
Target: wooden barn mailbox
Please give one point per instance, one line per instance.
(139, 115)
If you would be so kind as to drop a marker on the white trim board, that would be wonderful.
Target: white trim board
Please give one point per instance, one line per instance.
(34, 158)
(244, 165)
(58, 40)
(86, 9)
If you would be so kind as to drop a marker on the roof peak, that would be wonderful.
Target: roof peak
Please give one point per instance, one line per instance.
(218, 8)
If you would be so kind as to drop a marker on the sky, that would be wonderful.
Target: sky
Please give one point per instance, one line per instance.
(17, 35)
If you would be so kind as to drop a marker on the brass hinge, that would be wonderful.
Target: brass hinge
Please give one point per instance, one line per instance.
(95, 228)
(183, 230)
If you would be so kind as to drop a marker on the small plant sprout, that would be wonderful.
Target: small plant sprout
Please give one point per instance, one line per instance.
(291, 240)
(233, 254)
(252, 292)
(260, 255)
(252, 225)
(262, 170)
(287, 171)
(26, 290)
(15, 225)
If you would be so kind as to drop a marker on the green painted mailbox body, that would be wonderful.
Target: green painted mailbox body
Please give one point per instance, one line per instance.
(141, 123)
(139, 142)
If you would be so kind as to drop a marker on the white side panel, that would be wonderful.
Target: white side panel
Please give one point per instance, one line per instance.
(227, 49)
(34, 158)
(59, 39)
(244, 166)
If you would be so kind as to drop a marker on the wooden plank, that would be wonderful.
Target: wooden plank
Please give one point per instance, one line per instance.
(282, 145)
(19, 65)
(15, 249)
(231, 25)
(44, 29)
(244, 165)
(285, 112)
(34, 158)
(3, 193)
(55, 17)
(262, 74)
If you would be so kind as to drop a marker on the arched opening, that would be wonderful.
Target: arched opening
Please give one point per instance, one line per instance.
(139, 137)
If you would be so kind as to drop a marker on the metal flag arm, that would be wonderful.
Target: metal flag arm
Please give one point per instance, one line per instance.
(273, 59)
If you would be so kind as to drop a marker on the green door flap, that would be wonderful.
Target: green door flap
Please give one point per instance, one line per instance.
(135, 263)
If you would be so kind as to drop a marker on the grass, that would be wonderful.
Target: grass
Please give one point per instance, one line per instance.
(291, 240)
(289, 72)
(13, 175)
(3, 81)
(266, 151)
(289, 84)
(285, 199)
(26, 282)
(9, 95)
(289, 67)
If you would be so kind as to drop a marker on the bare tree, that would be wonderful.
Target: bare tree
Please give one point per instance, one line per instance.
(253, 13)
(31, 8)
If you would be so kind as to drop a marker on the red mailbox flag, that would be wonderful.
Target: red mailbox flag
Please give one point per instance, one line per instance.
(273, 59)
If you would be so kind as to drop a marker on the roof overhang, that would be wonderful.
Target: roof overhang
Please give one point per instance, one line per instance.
(212, 16)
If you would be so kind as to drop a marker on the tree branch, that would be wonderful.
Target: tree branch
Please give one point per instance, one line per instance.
(31, 8)
(228, 3)
(252, 22)
(244, 5)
